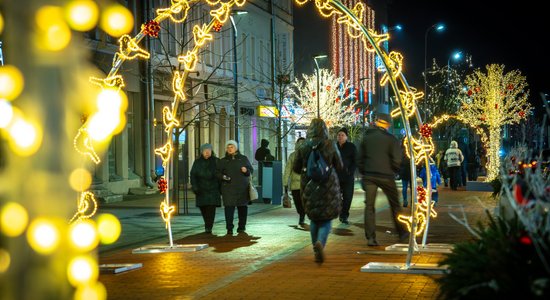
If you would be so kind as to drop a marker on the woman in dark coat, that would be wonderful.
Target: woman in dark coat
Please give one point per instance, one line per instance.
(206, 185)
(322, 200)
(235, 170)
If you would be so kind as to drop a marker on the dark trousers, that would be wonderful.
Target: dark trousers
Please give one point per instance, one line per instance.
(390, 190)
(347, 188)
(298, 204)
(454, 174)
(208, 213)
(242, 212)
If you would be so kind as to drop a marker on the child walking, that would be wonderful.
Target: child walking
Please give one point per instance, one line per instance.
(435, 179)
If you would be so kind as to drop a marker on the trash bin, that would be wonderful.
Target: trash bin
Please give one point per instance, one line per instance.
(272, 181)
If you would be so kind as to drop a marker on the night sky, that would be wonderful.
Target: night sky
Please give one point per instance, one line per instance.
(490, 31)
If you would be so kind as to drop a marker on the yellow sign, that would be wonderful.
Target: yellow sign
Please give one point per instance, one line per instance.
(268, 111)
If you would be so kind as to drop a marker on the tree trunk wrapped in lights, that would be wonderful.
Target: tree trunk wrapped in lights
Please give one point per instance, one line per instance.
(495, 99)
(337, 105)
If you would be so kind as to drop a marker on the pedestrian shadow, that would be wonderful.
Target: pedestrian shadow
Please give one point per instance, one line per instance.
(342, 231)
(301, 228)
(221, 243)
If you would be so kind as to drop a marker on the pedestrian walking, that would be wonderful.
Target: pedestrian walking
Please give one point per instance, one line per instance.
(378, 161)
(453, 158)
(322, 200)
(206, 185)
(291, 180)
(235, 169)
(348, 153)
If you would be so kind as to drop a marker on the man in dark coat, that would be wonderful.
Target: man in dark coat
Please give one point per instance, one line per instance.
(235, 170)
(206, 185)
(263, 153)
(348, 152)
(322, 200)
(378, 161)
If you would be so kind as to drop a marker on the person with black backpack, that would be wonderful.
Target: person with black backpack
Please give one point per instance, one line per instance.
(318, 161)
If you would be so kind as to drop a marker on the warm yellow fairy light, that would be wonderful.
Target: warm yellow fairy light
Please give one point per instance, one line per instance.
(1, 23)
(82, 15)
(83, 235)
(82, 143)
(168, 120)
(86, 207)
(129, 49)
(408, 102)
(92, 291)
(116, 20)
(115, 82)
(109, 228)
(395, 64)
(166, 212)
(80, 179)
(82, 269)
(5, 260)
(178, 86)
(43, 236)
(6, 113)
(53, 32)
(189, 60)
(11, 82)
(25, 137)
(13, 219)
(102, 125)
(177, 12)
(164, 152)
(221, 14)
(422, 149)
(357, 10)
(111, 101)
(201, 35)
(421, 214)
(325, 9)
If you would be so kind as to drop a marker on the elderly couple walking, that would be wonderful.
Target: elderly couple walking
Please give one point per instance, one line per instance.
(228, 178)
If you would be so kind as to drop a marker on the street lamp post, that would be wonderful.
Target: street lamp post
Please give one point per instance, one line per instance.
(235, 74)
(456, 56)
(363, 104)
(318, 88)
(438, 27)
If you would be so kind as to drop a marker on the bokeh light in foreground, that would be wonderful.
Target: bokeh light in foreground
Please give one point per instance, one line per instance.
(83, 235)
(117, 20)
(43, 236)
(5, 260)
(6, 113)
(82, 269)
(13, 219)
(11, 82)
(53, 32)
(94, 291)
(108, 227)
(82, 15)
(80, 179)
(25, 137)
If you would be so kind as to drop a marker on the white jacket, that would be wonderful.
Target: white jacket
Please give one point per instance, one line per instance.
(454, 157)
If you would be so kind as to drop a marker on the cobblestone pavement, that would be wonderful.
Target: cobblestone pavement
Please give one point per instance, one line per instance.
(274, 258)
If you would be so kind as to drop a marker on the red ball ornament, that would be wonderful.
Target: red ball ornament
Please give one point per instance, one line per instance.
(477, 89)
(526, 240)
(217, 26)
(420, 194)
(496, 106)
(313, 94)
(510, 86)
(151, 28)
(162, 185)
(521, 114)
(426, 131)
(470, 92)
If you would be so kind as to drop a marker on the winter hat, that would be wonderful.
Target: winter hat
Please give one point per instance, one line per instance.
(344, 130)
(383, 120)
(232, 142)
(205, 146)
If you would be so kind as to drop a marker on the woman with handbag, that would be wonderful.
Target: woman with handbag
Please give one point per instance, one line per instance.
(235, 170)
(292, 181)
(206, 185)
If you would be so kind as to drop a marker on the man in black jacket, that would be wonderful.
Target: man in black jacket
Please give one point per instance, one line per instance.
(346, 176)
(378, 161)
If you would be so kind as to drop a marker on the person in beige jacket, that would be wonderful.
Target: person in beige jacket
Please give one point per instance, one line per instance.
(293, 179)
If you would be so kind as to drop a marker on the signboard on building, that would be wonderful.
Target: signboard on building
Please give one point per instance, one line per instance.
(268, 111)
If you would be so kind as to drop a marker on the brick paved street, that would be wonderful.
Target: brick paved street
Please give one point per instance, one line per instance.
(274, 259)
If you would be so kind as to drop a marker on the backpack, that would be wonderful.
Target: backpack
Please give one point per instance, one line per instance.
(317, 168)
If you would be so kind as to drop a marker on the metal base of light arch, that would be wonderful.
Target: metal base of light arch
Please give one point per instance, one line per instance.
(415, 268)
(164, 248)
(428, 248)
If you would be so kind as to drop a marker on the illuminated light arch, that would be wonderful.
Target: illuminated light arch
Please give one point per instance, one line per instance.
(371, 40)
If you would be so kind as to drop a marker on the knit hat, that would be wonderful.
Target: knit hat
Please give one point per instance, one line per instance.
(344, 130)
(205, 146)
(232, 142)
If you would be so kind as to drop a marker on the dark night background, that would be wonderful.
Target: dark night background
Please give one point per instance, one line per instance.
(490, 31)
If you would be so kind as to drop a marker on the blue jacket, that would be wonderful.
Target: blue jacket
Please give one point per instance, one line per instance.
(435, 178)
